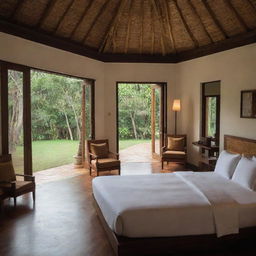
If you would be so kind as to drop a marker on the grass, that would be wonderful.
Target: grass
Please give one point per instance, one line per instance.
(52, 153)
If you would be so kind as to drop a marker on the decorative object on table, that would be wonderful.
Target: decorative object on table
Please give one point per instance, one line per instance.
(209, 153)
(100, 158)
(10, 186)
(175, 149)
(176, 108)
(248, 104)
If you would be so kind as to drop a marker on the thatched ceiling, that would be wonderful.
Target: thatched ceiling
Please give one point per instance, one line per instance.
(164, 29)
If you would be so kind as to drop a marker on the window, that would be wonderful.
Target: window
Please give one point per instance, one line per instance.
(211, 110)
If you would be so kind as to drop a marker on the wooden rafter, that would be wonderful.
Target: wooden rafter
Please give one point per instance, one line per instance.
(46, 12)
(87, 8)
(103, 7)
(238, 16)
(126, 46)
(142, 25)
(214, 18)
(200, 19)
(186, 24)
(63, 15)
(153, 31)
(160, 19)
(16, 8)
(252, 5)
(168, 22)
(112, 26)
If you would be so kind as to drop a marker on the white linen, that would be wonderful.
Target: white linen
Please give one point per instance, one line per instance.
(245, 173)
(174, 204)
(226, 164)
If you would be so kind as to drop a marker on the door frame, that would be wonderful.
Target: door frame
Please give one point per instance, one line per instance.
(163, 132)
(203, 110)
(26, 70)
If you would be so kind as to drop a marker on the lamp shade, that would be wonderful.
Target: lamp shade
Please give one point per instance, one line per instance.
(176, 105)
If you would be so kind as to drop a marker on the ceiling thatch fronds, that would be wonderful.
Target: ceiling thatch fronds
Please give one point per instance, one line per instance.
(133, 30)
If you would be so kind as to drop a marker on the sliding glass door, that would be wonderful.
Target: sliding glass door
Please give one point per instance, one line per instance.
(15, 116)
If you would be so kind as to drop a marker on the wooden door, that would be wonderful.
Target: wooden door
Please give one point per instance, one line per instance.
(16, 116)
(158, 118)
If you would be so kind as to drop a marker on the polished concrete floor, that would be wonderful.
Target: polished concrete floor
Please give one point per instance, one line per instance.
(63, 221)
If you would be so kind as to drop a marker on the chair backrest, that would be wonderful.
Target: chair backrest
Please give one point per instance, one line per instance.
(6, 168)
(89, 142)
(176, 136)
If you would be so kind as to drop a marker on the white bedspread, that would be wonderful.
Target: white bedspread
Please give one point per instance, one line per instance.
(175, 204)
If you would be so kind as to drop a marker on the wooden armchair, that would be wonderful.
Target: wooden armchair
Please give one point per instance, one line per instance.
(175, 149)
(11, 187)
(100, 158)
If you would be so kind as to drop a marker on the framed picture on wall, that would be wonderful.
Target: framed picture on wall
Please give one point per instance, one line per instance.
(248, 104)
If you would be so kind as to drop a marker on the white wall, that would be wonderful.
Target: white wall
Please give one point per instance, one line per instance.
(21, 51)
(236, 70)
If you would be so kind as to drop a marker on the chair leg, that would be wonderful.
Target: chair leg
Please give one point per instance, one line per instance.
(97, 172)
(15, 201)
(162, 164)
(90, 169)
(34, 196)
(119, 171)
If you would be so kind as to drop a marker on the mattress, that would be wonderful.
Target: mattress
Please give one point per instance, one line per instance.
(174, 204)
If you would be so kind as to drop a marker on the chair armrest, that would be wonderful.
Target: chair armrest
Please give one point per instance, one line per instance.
(92, 157)
(163, 149)
(29, 177)
(114, 155)
(8, 185)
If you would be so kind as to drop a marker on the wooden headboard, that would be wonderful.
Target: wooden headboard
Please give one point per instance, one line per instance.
(240, 145)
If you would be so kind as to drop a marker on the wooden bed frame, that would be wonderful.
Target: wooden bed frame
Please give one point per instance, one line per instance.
(124, 246)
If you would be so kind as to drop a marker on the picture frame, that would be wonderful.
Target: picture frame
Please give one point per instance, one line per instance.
(248, 104)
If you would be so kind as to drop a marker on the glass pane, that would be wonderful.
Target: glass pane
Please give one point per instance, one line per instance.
(211, 116)
(88, 117)
(15, 115)
(56, 119)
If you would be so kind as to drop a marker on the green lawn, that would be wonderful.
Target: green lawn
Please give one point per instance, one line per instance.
(52, 153)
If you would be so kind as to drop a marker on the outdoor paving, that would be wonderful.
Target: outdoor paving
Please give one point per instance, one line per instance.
(137, 153)
(135, 160)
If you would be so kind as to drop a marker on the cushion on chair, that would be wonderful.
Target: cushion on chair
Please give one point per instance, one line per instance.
(174, 154)
(100, 150)
(175, 144)
(106, 163)
(24, 185)
(7, 172)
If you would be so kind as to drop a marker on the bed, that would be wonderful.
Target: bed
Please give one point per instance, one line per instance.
(177, 212)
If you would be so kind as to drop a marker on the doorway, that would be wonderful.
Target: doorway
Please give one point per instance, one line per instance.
(141, 120)
(211, 111)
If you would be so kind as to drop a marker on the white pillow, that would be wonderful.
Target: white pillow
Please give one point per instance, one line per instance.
(245, 173)
(254, 158)
(226, 164)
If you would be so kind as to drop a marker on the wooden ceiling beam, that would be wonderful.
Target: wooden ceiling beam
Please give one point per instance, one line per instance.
(112, 26)
(168, 22)
(103, 7)
(186, 24)
(152, 30)
(214, 18)
(87, 8)
(142, 25)
(16, 8)
(160, 20)
(46, 12)
(63, 16)
(251, 3)
(200, 19)
(53, 41)
(126, 46)
(238, 16)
